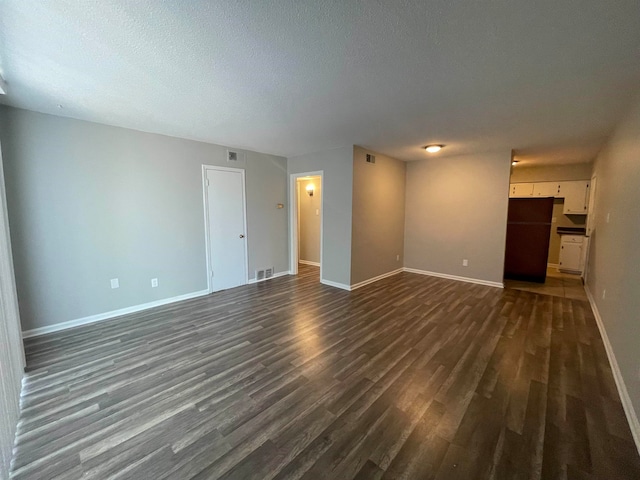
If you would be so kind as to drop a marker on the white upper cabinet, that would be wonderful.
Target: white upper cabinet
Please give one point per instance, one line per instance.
(521, 190)
(546, 189)
(576, 197)
(575, 193)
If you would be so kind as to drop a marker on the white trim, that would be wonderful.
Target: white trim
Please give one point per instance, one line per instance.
(455, 277)
(553, 265)
(307, 262)
(375, 279)
(293, 220)
(275, 275)
(335, 284)
(629, 411)
(205, 200)
(112, 314)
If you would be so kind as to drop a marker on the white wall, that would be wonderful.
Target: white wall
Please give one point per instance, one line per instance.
(614, 255)
(11, 351)
(337, 165)
(90, 202)
(309, 223)
(551, 173)
(456, 208)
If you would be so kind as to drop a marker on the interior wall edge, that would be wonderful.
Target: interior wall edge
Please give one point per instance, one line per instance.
(376, 278)
(627, 405)
(35, 332)
(457, 278)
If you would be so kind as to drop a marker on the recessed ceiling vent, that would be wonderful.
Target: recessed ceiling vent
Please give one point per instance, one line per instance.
(371, 158)
(234, 156)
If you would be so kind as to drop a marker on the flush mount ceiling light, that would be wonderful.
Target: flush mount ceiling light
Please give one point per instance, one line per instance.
(514, 163)
(433, 148)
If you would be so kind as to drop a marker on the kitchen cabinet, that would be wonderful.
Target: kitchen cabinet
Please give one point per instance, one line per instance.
(521, 190)
(575, 193)
(576, 197)
(571, 253)
(546, 189)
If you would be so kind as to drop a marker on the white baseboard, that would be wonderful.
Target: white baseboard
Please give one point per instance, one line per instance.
(275, 275)
(455, 277)
(553, 265)
(375, 279)
(112, 314)
(335, 284)
(307, 262)
(629, 411)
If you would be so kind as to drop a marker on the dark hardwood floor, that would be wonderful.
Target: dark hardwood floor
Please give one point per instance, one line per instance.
(411, 377)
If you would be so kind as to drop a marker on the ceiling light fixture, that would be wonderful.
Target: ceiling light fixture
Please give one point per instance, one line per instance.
(514, 163)
(3, 86)
(433, 148)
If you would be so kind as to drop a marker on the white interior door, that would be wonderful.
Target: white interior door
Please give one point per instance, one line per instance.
(227, 236)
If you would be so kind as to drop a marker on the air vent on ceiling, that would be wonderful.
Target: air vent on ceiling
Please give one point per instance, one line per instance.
(232, 156)
(371, 158)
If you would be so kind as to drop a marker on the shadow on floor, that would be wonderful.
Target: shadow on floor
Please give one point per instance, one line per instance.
(558, 284)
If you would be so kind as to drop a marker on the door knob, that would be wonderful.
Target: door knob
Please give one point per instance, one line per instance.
(241, 235)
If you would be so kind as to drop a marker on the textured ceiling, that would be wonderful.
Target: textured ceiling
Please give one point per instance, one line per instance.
(548, 78)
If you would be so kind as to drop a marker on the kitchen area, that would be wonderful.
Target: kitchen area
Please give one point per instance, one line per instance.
(548, 229)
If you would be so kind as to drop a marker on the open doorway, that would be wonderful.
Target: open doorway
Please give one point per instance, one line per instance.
(306, 224)
(547, 238)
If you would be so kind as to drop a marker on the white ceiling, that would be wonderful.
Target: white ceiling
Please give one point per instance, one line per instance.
(548, 78)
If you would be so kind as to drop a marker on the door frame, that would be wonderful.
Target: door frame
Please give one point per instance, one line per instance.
(294, 245)
(205, 200)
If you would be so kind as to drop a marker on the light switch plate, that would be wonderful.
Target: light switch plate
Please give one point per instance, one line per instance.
(154, 282)
(115, 283)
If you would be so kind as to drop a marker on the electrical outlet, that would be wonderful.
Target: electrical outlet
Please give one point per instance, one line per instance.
(465, 263)
(608, 215)
(604, 293)
(115, 283)
(397, 258)
(154, 282)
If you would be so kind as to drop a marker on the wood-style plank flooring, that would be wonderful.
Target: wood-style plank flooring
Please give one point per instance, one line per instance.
(411, 377)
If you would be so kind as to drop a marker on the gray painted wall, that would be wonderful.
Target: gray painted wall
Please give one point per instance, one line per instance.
(378, 215)
(456, 208)
(11, 352)
(614, 256)
(309, 223)
(337, 167)
(90, 202)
